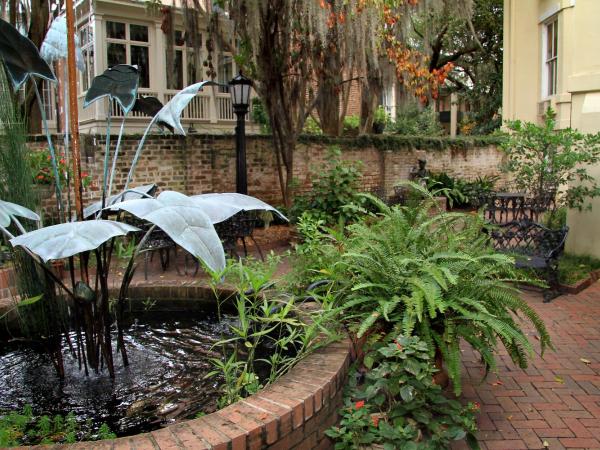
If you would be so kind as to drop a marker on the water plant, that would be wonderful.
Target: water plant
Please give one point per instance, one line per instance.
(272, 333)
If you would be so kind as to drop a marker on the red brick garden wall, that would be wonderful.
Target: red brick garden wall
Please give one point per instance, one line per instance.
(206, 163)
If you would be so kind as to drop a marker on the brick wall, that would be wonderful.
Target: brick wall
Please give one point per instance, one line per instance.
(206, 163)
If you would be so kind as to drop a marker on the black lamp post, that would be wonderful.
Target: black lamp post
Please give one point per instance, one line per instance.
(239, 88)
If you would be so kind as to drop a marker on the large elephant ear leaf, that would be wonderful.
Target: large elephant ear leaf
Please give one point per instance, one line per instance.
(21, 57)
(69, 239)
(8, 210)
(119, 82)
(54, 46)
(170, 114)
(184, 221)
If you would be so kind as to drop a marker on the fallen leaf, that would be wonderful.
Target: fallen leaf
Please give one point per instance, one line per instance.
(497, 383)
(545, 444)
(585, 361)
(509, 417)
(559, 380)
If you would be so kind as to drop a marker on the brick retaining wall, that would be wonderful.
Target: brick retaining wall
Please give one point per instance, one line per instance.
(206, 163)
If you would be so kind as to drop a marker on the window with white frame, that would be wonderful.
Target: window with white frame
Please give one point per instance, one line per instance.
(550, 57)
(225, 71)
(184, 70)
(128, 43)
(86, 41)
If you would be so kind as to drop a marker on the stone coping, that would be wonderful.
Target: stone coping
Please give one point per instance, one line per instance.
(292, 413)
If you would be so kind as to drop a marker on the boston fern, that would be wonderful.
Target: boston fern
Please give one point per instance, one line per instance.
(413, 271)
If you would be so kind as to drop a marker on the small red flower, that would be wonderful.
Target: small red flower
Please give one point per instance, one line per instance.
(84, 174)
(375, 420)
(359, 404)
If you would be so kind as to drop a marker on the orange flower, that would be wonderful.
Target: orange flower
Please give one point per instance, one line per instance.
(359, 404)
(375, 420)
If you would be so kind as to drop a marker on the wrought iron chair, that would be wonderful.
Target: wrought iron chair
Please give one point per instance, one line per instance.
(238, 227)
(534, 246)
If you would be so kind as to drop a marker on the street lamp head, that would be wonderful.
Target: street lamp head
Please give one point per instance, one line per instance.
(240, 91)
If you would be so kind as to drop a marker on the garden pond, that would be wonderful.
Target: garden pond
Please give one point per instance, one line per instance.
(169, 358)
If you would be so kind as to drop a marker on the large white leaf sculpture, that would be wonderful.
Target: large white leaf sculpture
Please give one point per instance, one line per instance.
(131, 194)
(8, 210)
(184, 221)
(169, 115)
(54, 46)
(68, 239)
(220, 207)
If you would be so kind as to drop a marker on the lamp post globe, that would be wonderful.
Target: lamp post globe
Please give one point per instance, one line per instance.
(239, 88)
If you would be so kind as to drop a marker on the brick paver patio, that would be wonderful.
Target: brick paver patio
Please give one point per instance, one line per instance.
(555, 403)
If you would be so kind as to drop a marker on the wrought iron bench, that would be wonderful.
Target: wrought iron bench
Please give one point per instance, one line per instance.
(534, 246)
(238, 227)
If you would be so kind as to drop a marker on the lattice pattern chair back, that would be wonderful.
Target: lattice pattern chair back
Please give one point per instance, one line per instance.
(529, 238)
(537, 206)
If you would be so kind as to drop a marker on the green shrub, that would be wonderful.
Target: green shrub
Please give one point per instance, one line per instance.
(412, 120)
(334, 196)
(351, 125)
(25, 428)
(573, 268)
(546, 160)
(398, 405)
(260, 116)
(311, 126)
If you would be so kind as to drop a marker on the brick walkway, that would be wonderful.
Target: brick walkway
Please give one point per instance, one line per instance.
(555, 403)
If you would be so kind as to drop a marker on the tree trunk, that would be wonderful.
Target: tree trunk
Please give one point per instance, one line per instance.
(369, 100)
(37, 31)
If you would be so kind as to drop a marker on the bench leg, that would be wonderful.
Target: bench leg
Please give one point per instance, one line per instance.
(552, 278)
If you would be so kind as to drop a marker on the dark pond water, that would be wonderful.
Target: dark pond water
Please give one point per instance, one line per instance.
(164, 382)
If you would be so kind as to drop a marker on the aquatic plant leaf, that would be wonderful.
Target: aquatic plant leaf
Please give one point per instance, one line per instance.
(54, 46)
(8, 209)
(170, 114)
(119, 82)
(68, 239)
(21, 57)
(184, 221)
(220, 207)
(131, 194)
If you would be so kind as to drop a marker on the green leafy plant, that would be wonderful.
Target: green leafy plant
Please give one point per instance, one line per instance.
(573, 268)
(41, 168)
(412, 120)
(260, 116)
(454, 189)
(413, 272)
(334, 196)
(311, 126)
(398, 405)
(271, 333)
(25, 428)
(125, 251)
(545, 160)
(351, 125)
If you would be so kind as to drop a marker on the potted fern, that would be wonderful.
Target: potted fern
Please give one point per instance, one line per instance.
(406, 272)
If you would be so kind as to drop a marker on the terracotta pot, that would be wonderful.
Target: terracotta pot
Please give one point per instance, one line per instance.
(441, 376)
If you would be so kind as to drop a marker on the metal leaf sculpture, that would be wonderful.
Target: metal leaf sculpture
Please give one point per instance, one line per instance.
(184, 221)
(220, 207)
(21, 57)
(150, 106)
(119, 82)
(170, 115)
(54, 46)
(8, 210)
(68, 239)
(144, 191)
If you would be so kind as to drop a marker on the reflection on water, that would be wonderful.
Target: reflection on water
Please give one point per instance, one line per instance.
(168, 357)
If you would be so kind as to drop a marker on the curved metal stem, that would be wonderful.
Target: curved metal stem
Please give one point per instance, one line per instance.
(137, 153)
(115, 157)
(106, 156)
